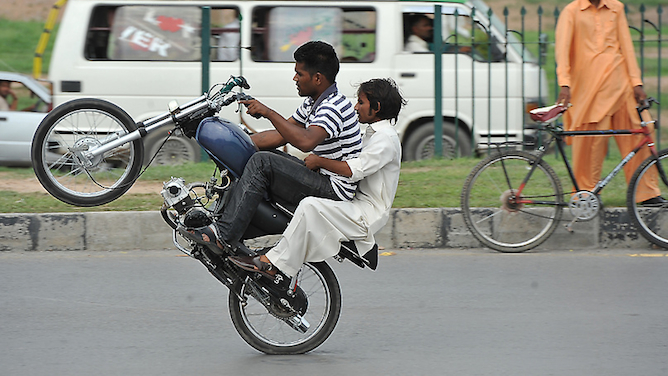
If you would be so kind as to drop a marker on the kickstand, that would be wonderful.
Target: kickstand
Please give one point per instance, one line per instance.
(569, 226)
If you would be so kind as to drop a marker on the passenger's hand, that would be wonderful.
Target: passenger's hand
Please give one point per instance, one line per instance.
(564, 98)
(255, 108)
(312, 162)
(640, 95)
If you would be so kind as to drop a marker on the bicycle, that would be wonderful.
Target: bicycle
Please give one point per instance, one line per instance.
(512, 201)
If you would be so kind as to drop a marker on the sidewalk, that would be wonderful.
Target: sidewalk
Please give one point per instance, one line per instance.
(407, 228)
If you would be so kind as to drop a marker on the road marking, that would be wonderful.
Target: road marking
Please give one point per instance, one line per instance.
(648, 255)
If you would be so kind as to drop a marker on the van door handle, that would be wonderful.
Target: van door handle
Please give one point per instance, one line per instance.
(407, 75)
(3, 119)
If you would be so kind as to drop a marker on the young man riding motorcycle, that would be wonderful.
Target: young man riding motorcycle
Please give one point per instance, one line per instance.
(319, 225)
(324, 124)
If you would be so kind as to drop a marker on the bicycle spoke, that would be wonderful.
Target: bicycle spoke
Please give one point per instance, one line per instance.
(499, 216)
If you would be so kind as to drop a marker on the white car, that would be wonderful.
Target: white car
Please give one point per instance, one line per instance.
(18, 127)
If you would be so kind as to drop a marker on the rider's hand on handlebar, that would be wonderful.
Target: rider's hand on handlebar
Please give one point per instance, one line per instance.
(255, 109)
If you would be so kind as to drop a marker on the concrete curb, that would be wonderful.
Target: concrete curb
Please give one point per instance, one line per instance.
(407, 228)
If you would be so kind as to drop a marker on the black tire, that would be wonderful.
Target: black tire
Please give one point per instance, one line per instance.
(84, 124)
(420, 143)
(651, 221)
(270, 335)
(177, 150)
(501, 224)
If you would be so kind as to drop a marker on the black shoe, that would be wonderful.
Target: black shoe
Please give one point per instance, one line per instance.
(654, 201)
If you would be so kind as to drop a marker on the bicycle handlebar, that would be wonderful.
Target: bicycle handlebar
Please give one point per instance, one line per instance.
(647, 104)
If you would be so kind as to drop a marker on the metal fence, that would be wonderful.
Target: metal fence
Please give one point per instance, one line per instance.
(535, 29)
(530, 27)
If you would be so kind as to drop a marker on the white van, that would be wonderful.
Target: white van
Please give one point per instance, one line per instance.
(140, 54)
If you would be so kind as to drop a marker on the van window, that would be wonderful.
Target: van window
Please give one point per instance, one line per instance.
(278, 31)
(460, 35)
(149, 33)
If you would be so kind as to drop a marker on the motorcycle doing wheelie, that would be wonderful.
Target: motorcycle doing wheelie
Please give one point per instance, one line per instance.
(88, 152)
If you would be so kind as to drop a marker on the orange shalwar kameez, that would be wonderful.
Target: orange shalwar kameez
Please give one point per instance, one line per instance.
(596, 60)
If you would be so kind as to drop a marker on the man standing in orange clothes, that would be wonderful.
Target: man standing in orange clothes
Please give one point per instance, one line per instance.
(598, 73)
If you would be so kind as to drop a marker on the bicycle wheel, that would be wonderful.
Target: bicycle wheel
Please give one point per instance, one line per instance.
(270, 333)
(68, 132)
(502, 222)
(650, 220)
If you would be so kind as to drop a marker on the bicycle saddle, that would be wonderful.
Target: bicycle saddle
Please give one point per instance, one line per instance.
(547, 114)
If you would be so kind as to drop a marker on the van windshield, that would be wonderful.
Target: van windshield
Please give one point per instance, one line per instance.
(513, 42)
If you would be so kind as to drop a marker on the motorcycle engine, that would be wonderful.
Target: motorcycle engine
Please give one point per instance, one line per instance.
(177, 195)
(197, 217)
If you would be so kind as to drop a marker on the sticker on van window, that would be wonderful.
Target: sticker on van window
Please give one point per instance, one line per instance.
(156, 33)
(293, 26)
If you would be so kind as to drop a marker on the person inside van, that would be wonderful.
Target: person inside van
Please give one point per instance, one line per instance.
(324, 124)
(228, 41)
(421, 33)
(6, 93)
(320, 225)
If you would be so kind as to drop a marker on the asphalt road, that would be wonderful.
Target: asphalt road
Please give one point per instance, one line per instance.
(442, 312)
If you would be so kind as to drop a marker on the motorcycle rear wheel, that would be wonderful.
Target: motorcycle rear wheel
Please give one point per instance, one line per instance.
(74, 128)
(271, 335)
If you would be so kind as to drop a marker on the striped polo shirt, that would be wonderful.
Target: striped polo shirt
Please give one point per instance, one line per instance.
(335, 114)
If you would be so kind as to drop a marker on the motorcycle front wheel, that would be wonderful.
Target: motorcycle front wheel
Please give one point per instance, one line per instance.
(64, 137)
(270, 333)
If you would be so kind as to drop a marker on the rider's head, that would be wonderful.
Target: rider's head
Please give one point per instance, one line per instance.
(383, 96)
(318, 57)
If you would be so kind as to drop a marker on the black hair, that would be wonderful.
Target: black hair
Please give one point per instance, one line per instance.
(317, 57)
(414, 19)
(385, 92)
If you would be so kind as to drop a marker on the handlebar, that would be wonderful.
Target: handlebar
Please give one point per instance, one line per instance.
(190, 113)
(647, 103)
(546, 115)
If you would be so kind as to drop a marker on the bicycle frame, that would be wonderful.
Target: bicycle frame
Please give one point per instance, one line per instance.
(557, 137)
(513, 201)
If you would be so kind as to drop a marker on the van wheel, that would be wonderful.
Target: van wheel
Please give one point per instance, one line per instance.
(420, 144)
(177, 150)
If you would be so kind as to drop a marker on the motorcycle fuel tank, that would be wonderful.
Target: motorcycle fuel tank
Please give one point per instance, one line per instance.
(226, 143)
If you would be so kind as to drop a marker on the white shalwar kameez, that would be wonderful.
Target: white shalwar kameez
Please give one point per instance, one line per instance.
(320, 225)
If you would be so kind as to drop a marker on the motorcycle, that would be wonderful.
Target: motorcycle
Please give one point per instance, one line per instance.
(88, 152)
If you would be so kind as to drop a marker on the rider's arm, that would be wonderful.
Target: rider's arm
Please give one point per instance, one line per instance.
(380, 151)
(267, 140)
(315, 162)
(304, 139)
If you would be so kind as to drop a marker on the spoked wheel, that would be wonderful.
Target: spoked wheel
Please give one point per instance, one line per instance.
(650, 220)
(498, 215)
(61, 144)
(271, 331)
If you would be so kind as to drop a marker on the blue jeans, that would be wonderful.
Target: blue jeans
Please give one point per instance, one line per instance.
(282, 177)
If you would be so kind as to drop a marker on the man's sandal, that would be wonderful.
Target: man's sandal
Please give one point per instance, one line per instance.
(207, 236)
(254, 264)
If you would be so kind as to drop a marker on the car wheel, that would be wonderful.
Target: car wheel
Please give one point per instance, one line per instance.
(176, 150)
(420, 144)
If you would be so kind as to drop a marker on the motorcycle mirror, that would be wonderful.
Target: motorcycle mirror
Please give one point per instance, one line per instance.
(241, 81)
